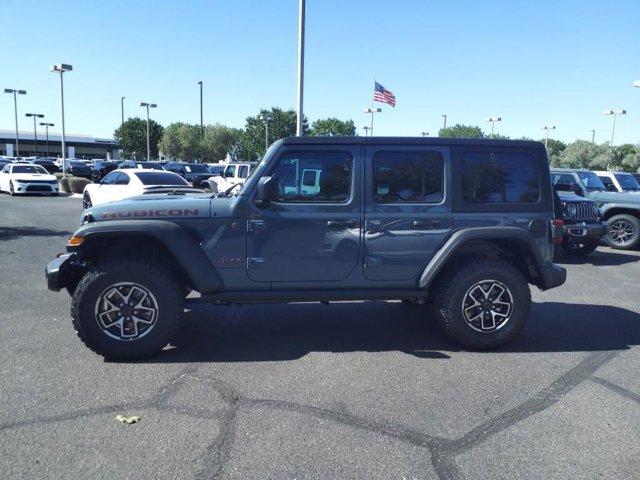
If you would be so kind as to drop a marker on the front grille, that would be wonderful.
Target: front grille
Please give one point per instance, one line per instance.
(586, 211)
(46, 182)
(38, 188)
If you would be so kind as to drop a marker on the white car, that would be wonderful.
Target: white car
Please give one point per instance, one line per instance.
(234, 174)
(121, 184)
(619, 182)
(20, 178)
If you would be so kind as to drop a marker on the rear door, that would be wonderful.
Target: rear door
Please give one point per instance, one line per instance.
(407, 209)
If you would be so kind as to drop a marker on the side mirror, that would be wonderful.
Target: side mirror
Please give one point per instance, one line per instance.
(268, 190)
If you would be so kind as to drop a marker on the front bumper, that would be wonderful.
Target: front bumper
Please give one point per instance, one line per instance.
(58, 272)
(35, 187)
(583, 231)
(553, 275)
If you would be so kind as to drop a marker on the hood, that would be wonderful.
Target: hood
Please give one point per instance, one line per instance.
(152, 206)
(35, 176)
(572, 197)
(614, 197)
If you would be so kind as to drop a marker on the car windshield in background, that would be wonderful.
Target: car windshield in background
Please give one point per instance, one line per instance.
(591, 181)
(216, 170)
(150, 165)
(28, 169)
(627, 182)
(196, 168)
(161, 178)
(78, 164)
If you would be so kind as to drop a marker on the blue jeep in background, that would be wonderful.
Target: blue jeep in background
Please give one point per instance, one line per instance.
(466, 225)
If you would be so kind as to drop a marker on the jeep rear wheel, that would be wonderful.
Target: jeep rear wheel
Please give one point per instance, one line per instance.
(623, 232)
(484, 304)
(127, 308)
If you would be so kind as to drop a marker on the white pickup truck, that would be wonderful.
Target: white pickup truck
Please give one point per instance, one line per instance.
(234, 174)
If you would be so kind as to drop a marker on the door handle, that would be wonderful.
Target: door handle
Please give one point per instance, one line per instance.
(426, 223)
(341, 223)
(255, 226)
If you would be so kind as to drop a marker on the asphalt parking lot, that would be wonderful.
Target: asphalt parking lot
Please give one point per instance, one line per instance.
(349, 390)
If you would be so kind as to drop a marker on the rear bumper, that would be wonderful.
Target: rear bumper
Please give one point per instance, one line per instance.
(58, 272)
(584, 231)
(553, 275)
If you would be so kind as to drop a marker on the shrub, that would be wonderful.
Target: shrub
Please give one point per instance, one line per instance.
(58, 175)
(64, 184)
(77, 184)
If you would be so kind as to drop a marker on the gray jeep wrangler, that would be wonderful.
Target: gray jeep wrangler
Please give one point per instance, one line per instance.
(465, 225)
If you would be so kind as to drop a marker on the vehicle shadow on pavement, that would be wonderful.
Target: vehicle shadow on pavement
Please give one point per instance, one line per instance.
(10, 233)
(598, 258)
(279, 333)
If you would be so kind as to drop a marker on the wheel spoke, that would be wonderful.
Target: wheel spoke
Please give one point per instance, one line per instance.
(487, 306)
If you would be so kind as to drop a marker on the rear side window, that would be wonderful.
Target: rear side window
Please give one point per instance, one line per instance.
(606, 181)
(408, 177)
(314, 176)
(500, 177)
(243, 172)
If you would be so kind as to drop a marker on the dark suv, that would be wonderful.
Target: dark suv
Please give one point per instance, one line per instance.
(583, 226)
(465, 224)
(194, 173)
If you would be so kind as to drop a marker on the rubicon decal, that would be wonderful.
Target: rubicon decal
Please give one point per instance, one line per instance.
(174, 212)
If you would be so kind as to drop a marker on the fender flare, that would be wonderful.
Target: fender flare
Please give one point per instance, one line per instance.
(546, 270)
(632, 208)
(176, 239)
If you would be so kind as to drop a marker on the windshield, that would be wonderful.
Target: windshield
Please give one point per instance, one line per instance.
(77, 164)
(150, 165)
(28, 169)
(591, 181)
(627, 182)
(161, 178)
(196, 168)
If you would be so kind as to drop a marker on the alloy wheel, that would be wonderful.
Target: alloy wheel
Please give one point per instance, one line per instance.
(621, 231)
(126, 311)
(487, 306)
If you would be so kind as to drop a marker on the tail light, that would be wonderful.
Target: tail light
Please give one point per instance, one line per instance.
(556, 230)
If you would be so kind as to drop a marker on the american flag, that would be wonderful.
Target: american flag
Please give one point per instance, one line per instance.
(381, 94)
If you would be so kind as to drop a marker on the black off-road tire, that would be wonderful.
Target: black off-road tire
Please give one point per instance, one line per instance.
(450, 293)
(581, 249)
(634, 225)
(156, 278)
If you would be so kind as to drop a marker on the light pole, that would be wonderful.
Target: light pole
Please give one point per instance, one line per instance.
(493, 121)
(546, 129)
(445, 121)
(425, 134)
(46, 129)
(35, 132)
(301, 8)
(148, 105)
(15, 110)
(372, 111)
(613, 122)
(593, 136)
(266, 118)
(122, 122)
(201, 121)
(61, 68)
(366, 130)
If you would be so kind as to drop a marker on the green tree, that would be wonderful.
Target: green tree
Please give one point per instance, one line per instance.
(181, 141)
(135, 137)
(220, 140)
(332, 127)
(461, 131)
(631, 161)
(281, 125)
(579, 154)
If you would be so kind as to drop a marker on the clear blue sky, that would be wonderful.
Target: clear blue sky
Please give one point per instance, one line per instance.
(556, 62)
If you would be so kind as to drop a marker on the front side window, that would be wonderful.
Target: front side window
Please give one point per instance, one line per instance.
(412, 177)
(230, 171)
(500, 177)
(314, 176)
(243, 172)
(111, 178)
(123, 179)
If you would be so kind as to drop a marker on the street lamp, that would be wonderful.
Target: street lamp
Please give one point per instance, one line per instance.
(445, 121)
(46, 127)
(15, 110)
(372, 111)
(266, 118)
(614, 113)
(201, 121)
(61, 68)
(35, 132)
(546, 129)
(148, 105)
(122, 121)
(593, 136)
(493, 121)
(425, 134)
(366, 130)
(300, 121)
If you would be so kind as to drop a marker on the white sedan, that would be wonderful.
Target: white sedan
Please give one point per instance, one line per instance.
(20, 178)
(121, 184)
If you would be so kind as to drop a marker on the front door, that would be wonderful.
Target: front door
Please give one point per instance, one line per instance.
(407, 209)
(312, 233)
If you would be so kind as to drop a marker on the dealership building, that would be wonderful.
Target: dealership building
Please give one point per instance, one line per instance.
(78, 146)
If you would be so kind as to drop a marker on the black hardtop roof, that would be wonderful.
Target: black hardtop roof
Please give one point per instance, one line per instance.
(409, 141)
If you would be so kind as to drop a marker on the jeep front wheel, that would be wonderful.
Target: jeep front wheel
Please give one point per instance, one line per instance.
(127, 308)
(484, 304)
(623, 232)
